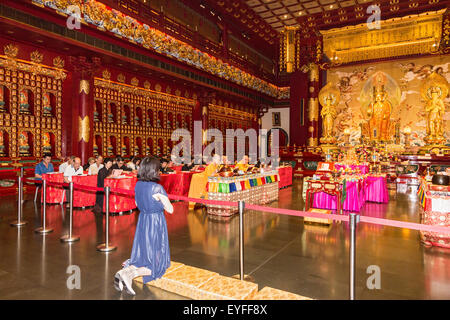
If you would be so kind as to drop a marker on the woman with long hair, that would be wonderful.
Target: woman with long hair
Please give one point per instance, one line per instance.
(150, 256)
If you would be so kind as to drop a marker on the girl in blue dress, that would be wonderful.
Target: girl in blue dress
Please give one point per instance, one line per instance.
(150, 256)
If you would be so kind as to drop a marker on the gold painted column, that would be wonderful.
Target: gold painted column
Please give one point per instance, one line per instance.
(313, 105)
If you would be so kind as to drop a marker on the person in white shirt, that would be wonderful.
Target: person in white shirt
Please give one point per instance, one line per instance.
(73, 170)
(64, 165)
(96, 166)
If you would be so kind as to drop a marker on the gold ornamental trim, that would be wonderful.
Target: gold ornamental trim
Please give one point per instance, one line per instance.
(408, 35)
(313, 72)
(313, 109)
(84, 86)
(83, 129)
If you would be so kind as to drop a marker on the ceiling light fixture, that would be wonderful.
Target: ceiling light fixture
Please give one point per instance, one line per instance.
(202, 6)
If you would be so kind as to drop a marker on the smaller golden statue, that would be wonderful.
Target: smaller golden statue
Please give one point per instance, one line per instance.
(2, 145)
(24, 148)
(434, 91)
(329, 98)
(46, 145)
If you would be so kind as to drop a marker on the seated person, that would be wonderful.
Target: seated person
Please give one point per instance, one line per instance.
(134, 163)
(90, 162)
(45, 166)
(165, 166)
(120, 164)
(103, 173)
(96, 166)
(189, 166)
(64, 165)
(73, 170)
(197, 188)
(243, 164)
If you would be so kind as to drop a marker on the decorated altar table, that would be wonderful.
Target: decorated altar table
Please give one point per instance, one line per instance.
(357, 189)
(435, 201)
(257, 188)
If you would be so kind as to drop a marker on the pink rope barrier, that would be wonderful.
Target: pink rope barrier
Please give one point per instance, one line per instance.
(297, 213)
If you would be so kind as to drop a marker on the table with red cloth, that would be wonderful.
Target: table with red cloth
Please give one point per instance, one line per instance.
(173, 183)
(285, 174)
(55, 194)
(359, 189)
(84, 198)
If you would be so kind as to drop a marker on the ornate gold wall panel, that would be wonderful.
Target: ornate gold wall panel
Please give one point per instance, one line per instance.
(154, 122)
(409, 35)
(31, 102)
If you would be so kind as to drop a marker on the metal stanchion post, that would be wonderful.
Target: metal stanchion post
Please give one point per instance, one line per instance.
(70, 237)
(354, 219)
(241, 239)
(44, 229)
(242, 275)
(19, 222)
(105, 247)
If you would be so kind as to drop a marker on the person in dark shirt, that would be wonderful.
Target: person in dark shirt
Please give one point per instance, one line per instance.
(103, 173)
(188, 167)
(120, 164)
(165, 166)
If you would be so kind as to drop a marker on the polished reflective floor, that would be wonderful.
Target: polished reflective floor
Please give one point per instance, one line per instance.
(280, 252)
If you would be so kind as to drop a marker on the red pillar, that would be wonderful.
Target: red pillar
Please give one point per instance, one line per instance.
(84, 104)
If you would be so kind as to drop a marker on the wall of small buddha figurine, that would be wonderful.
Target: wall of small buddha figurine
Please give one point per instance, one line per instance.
(30, 102)
(137, 120)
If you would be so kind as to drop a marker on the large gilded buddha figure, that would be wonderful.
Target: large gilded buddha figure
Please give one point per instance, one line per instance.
(434, 90)
(380, 95)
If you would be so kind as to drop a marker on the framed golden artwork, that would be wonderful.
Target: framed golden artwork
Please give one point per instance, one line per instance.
(276, 119)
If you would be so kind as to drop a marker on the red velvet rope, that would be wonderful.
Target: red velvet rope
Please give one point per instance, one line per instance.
(337, 217)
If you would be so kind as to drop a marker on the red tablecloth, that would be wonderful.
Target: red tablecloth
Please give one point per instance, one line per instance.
(55, 194)
(120, 202)
(285, 174)
(177, 184)
(84, 198)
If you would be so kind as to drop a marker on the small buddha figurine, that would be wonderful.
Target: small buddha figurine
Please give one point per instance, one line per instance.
(2, 99)
(24, 106)
(2, 145)
(136, 150)
(149, 122)
(24, 148)
(158, 123)
(96, 119)
(123, 150)
(46, 146)
(137, 121)
(110, 149)
(124, 119)
(169, 124)
(95, 149)
(46, 104)
(110, 115)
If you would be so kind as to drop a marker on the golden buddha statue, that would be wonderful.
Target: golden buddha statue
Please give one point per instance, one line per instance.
(329, 99)
(434, 90)
(379, 96)
(379, 112)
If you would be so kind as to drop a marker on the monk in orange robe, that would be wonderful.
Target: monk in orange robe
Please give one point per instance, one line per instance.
(197, 189)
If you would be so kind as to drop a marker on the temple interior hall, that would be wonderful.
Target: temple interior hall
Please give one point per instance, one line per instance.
(224, 150)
